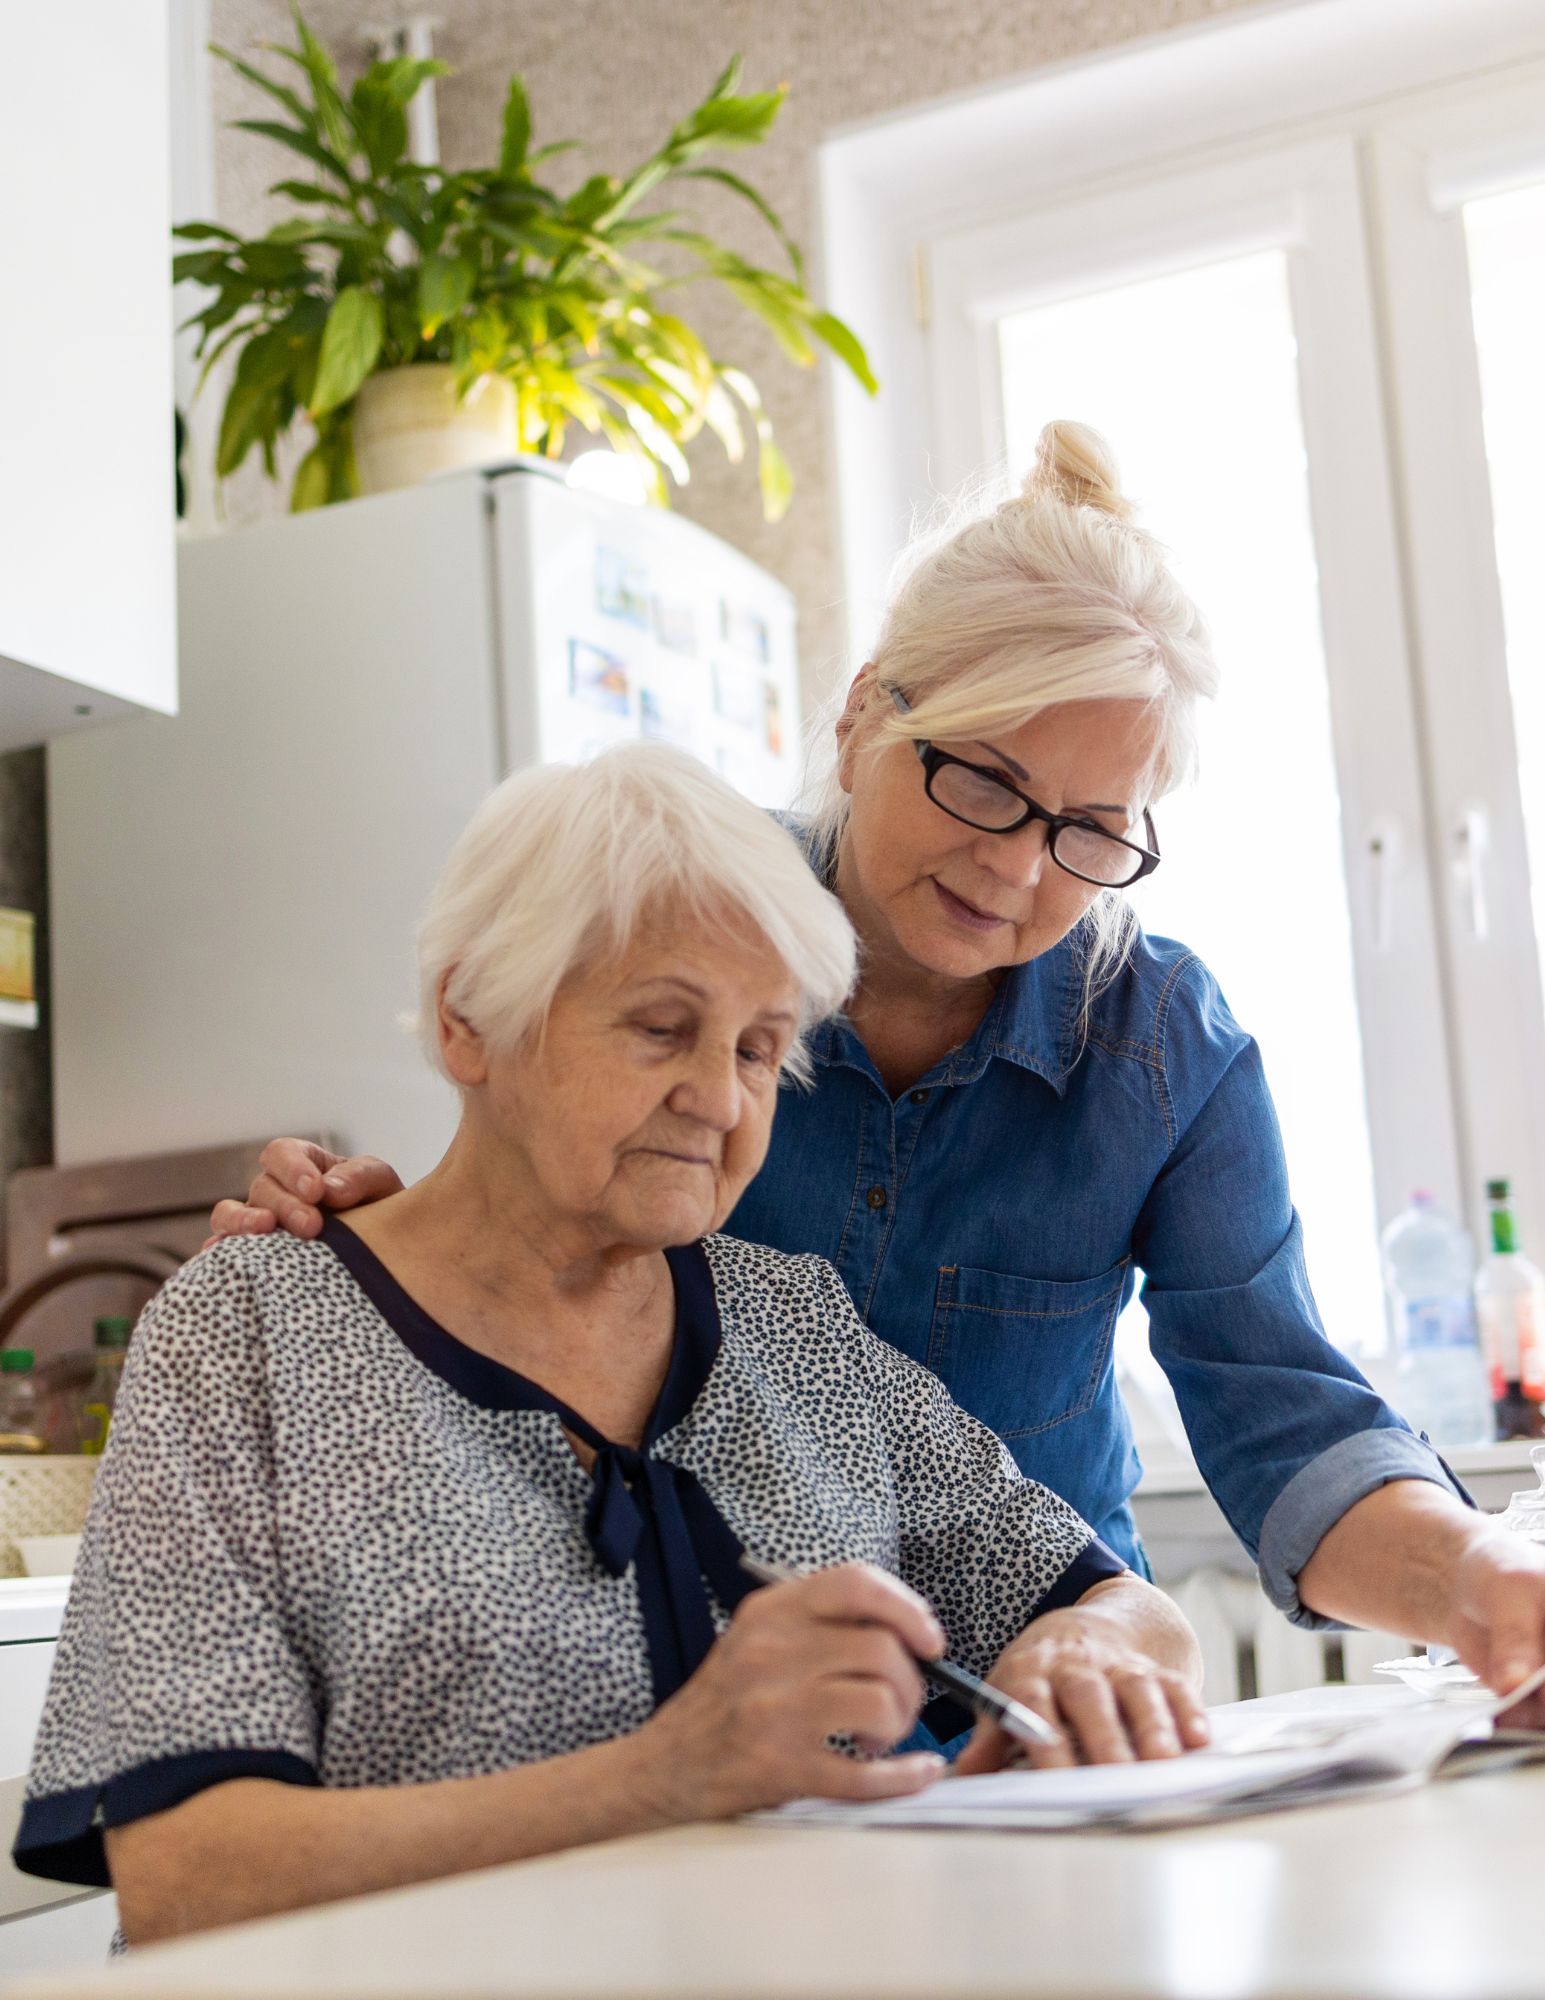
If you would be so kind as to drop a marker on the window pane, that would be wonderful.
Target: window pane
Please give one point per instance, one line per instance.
(1506, 239)
(1192, 378)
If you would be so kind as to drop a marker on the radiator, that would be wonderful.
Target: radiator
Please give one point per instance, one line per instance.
(1249, 1648)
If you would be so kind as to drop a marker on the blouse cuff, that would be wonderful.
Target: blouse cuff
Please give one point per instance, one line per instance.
(61, 1832)
(1319, 1493)
(1094, 1563)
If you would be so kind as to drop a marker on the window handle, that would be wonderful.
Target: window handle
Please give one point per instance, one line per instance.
(1472, 842)
(1383, 860)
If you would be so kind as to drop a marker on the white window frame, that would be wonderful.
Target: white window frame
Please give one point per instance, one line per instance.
(1303, 200)
(1472, 140)
(917, 207)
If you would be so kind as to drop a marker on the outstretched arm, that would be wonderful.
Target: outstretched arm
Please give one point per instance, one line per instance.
(1411, 1559)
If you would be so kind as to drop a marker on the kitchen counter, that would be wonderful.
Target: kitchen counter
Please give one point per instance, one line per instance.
(1416, 1896)
(31, 1607)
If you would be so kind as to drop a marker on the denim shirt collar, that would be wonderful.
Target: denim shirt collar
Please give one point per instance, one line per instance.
(1032, 1022)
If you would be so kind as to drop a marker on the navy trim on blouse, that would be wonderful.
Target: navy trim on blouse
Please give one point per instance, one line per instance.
(644, 1511)
(60, 1836)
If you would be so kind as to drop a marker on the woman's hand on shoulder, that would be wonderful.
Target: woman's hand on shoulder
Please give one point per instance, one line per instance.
(298, 1180)
(820, 1656)
(1113, 1672)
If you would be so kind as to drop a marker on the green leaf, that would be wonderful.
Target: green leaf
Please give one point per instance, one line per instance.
(251, 415)
(280, 93)
(727, 121)
(331, 111)
(787, 330)
(763, 208)
(728, 79)
(313, 480)
(382, 126)
(269, 263)
(776, 479)
(308, 191)
(845, 344)
(198, 267)
(444, 287)
(516, 139)
(351, 343)
(298, 142)
(265, 360)
(205, 232)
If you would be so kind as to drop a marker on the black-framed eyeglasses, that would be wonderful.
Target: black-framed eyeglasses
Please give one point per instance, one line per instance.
(980, 798)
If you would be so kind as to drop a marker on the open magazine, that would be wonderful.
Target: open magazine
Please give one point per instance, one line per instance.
(1262, 1758)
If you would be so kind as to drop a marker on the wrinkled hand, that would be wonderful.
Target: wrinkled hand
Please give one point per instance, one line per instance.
(822, 1655)
(1113, 1703)
(298, 1181)
(1498, 1616)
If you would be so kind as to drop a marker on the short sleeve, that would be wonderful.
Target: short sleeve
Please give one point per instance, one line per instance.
(988, 1547)
(176, 1669)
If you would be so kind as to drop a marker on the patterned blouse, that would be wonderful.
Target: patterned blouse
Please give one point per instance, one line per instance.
(332, 1545)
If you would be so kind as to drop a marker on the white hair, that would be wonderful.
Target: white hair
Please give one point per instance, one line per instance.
(1009, 605)
(560, 864)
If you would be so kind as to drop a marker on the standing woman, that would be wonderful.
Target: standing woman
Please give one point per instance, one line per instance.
(1028, 1101)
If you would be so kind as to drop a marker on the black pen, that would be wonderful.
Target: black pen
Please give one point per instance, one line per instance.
(1011, 1716)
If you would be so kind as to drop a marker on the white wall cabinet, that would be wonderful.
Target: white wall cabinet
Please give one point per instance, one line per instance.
(87, 555)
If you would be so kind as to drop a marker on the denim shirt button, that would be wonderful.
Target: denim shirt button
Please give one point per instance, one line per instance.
(877, 1197)
(919, 1097)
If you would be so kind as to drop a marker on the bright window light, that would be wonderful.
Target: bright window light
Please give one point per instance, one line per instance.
(1193, 380)
(1506, 238)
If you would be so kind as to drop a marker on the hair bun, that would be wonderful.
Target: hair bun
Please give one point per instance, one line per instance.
(1075, 465)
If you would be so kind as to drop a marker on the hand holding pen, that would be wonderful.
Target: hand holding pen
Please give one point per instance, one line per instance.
(987, 1703)
(832, 1654)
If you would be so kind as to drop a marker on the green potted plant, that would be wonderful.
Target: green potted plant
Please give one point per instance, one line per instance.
(422, 318)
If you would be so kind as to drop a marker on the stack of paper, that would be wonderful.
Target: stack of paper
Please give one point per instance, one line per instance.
(1259, 1760)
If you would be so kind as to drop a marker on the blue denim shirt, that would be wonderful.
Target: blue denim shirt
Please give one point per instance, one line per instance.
(992, 1220)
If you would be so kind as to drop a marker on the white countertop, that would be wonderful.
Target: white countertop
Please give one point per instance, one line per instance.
(31, 1607)
(1420, 1896)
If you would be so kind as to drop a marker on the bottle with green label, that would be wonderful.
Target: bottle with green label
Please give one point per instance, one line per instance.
(19, 1414)
(101, 1392)
(1510, 1306)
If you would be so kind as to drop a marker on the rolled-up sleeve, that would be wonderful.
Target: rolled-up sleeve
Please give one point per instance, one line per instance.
(1287, 1433)
(176, 1669)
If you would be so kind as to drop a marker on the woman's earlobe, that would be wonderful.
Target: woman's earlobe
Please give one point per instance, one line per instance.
(461, 1046)
(847, 722)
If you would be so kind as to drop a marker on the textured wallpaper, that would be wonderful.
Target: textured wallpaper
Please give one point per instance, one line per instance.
(618, 74)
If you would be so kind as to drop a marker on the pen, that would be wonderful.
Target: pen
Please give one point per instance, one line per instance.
(1011, 1716)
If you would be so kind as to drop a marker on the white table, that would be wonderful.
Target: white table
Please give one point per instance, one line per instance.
(1425, 1896)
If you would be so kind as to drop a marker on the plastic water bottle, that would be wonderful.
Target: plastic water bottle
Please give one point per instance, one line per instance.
(1442, 1385)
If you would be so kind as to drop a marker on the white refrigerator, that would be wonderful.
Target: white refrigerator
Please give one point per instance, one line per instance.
(234, 890)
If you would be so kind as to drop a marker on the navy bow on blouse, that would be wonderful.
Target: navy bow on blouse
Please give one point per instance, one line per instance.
(643, 1510)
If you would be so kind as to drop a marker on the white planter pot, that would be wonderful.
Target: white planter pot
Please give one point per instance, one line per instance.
(409, 425)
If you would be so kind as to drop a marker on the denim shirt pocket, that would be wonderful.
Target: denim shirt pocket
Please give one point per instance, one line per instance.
(1023, 1354)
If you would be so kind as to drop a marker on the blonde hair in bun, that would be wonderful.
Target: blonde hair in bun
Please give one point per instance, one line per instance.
(1075, 465)
(1012, 602)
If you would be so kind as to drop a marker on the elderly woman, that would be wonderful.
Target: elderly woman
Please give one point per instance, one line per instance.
(416, 1547)
(1028, 1101)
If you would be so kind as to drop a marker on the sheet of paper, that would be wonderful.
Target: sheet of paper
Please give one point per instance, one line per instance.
(1259, 1758)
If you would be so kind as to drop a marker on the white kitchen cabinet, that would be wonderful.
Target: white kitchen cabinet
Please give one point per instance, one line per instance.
(43, 1925)
(87, 549)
